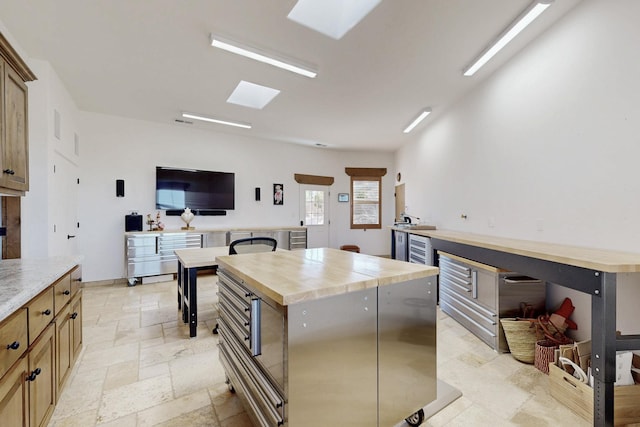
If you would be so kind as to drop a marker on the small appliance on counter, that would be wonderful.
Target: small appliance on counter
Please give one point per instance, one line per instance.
(133, 222)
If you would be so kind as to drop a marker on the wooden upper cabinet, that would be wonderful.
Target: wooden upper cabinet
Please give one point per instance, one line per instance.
(14, 137)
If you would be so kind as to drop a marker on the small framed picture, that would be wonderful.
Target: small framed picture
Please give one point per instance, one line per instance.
(343, 197)
(278, 194)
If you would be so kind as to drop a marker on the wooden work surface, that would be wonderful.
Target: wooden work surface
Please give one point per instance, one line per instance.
(200, 257)
(206, 257)
(594, 259)
(289, 277)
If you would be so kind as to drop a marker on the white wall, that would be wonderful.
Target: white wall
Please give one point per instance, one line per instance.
(546, 149)
(117, 148)
(50, 206)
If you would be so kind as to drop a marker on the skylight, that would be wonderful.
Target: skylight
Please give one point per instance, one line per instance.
(252, 95)
(333, 18)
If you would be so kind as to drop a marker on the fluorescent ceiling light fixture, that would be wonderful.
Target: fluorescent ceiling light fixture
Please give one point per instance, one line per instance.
(417, 120)
(252, 95)
(218, 121)
(525, 18)
(256, 55)
(333, 18)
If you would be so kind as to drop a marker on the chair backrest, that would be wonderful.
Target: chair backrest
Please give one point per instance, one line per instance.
(253, 244)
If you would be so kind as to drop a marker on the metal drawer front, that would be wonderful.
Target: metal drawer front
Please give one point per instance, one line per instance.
(262, 382)
(240, 386)
(479, 325)
(236, 327)
(235, 287)
(241, 304)
(476, 308)
(454, 268)
(453, 281)
(264, 399)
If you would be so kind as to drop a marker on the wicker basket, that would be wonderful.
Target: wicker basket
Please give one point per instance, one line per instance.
(521, 337)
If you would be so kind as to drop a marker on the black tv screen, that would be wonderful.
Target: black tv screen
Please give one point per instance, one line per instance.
(194, 189)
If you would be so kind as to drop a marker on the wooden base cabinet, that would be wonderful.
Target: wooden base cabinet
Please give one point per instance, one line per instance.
(64, 361)
(33, 373)
(14, 396)
(42, 378)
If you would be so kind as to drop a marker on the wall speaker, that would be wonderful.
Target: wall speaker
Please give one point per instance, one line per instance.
(119, 187)
(257, 194)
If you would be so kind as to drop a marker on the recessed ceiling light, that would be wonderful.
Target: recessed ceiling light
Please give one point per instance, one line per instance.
(333, 18)
(257, 55)
(417, 120)
(252, 95)
(214, 120)
(520, 23)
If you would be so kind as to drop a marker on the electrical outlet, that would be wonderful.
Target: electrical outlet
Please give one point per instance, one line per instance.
(540, 224)
(491, 222)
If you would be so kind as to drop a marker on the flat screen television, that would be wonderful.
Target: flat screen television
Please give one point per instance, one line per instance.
(194, 189)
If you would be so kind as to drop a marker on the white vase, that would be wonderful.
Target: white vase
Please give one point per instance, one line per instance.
(187, 216)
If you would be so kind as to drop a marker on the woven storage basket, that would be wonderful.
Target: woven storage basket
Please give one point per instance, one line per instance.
(521, 337)
(545, 350)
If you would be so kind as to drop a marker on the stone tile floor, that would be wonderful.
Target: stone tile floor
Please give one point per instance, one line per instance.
(140, 368)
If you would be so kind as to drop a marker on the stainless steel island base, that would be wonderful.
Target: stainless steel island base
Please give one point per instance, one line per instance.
(365, 357)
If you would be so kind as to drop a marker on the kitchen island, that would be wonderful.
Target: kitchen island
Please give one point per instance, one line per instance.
(323, 337)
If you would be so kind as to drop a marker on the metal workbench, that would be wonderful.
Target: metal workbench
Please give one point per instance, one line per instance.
(600, 284)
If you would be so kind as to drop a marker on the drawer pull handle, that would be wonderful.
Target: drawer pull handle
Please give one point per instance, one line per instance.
(13, 346)
(9, 171)
(74, 315)
(34, 374)
(67, 292)
(46, 312)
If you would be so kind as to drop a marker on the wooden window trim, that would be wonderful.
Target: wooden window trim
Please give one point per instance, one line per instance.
(367, 226)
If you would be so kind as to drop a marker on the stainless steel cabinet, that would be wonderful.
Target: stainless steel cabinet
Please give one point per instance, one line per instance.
(364, 358)
(150, 254)
(298, 239)
(400, 245)
(286, 238)
(420, 249)
(212, 239)
(477, 295)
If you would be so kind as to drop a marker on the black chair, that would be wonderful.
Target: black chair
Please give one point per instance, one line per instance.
(250, 245)
(269, 244)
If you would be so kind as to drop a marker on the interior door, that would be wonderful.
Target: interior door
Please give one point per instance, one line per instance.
(65, 207)
(314, 214)
(399, 202)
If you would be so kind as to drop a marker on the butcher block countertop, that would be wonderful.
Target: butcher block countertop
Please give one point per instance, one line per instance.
(595, 259)
(289, 277)
(23, 279)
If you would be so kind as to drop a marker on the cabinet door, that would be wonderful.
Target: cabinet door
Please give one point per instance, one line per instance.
(64, 361)
(76, 326)
(15, 149)
(42, 379)
(14, 396)
(485, 288)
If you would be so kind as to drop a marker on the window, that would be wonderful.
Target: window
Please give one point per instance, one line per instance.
(314, 204)
(366, 200)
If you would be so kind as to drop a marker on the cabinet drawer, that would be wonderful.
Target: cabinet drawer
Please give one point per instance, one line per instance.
(62, 293)
(13, 339)
(484, 327)
(76, 280)
(267, 403)
(40, 311)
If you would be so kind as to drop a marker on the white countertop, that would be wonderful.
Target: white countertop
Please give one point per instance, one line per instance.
(23, 279)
